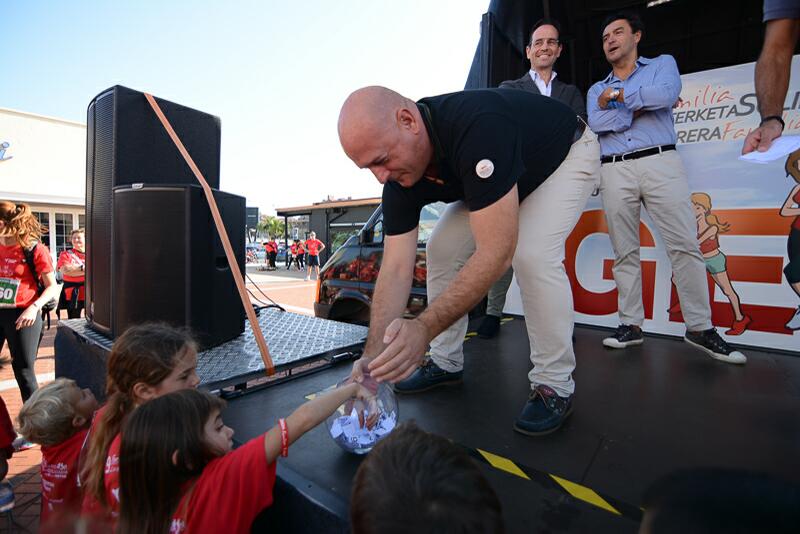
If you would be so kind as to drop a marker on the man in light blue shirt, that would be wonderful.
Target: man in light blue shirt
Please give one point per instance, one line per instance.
(631, 113)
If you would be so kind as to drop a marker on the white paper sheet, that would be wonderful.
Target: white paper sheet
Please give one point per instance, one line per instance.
(348, 433)
(780, 148)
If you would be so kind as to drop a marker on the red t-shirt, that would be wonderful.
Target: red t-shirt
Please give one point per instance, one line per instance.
(709, 245)
(7, 432)
(229, 494)
(301, 248)
(91, 507)
(16, 279)
(293, 248)
(61, 496)
(313, 246)
(111, 477)
(75, 257)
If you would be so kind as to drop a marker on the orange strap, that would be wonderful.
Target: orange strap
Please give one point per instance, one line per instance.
(223, 235)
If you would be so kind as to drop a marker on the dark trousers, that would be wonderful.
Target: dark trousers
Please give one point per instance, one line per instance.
(301, 261)
(272, 256)
(75, 312)
(72, 304)
(792, 269)
(23, 345)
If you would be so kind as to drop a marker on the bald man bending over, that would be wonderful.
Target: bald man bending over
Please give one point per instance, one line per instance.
(515, 168)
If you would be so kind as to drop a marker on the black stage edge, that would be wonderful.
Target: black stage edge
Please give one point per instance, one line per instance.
(294, 340)
(639, 414)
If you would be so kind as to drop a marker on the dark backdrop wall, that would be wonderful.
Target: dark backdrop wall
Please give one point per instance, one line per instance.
(700, 35)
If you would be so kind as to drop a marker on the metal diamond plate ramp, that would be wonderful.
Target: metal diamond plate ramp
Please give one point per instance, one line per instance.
(293, 339)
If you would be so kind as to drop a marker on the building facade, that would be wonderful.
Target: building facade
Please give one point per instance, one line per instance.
(332, 220)
(43, 164)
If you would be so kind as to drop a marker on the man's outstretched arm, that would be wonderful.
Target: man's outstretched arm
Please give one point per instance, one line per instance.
(406, 340)
(391, 292)
(772, 81)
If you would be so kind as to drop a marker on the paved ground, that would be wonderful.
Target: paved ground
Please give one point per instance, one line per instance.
(287, 288)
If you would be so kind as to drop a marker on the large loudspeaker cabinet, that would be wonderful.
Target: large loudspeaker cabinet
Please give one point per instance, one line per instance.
(126, 144)
(168, 263)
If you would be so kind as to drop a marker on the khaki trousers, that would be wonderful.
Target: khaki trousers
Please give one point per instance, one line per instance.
(546, 218)
(659, 183)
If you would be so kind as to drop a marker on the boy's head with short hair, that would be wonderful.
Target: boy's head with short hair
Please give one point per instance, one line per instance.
(414, 481)
(55, 412)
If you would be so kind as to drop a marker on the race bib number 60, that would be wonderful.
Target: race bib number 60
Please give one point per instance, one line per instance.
(8, 292)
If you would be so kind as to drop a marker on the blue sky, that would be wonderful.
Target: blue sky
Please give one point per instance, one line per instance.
(275, 73)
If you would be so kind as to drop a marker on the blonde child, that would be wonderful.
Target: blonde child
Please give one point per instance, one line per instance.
(57, 417)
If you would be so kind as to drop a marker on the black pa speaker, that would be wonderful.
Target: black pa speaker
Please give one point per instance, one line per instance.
(168, 263)
(126, 144)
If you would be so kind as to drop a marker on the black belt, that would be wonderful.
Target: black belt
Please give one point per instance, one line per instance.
(637, 154)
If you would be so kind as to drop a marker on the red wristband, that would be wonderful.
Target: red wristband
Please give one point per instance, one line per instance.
(284, 437)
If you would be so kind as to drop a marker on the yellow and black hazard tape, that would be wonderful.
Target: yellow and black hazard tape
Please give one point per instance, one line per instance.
(554, 482)
(549, 481)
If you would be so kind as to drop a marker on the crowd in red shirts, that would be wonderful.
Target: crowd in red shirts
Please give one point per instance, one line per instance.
(302, 254)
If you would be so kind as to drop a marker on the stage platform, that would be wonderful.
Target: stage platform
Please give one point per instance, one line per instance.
(294, 340)
(639, 414)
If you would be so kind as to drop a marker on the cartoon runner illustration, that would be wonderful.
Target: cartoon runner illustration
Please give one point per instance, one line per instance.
(791, 208)
(708, 229)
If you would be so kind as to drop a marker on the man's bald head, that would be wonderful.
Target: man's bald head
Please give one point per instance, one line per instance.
(382, 130)
(372, 107)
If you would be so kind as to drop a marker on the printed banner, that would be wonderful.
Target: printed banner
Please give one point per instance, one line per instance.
(752, 206)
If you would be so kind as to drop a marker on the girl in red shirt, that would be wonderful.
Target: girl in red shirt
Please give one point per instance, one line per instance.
(178, 473)
(292, 258)
(146, 362)
(72, 266)
(708, 229)
(20, 300)
(301, 255)
(7, 437)
(791, 208)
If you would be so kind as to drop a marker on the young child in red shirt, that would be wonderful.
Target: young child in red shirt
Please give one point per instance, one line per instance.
(178, 473)
(57, 417)
(7, 437)
(147, 361)
(301, 255)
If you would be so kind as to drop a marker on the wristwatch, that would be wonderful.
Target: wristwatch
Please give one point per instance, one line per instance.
(613, 94)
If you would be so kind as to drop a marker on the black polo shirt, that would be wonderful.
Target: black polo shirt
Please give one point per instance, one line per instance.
(485, 141)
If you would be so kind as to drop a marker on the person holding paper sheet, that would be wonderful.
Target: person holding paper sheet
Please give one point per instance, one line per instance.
(772, 72)
(641, 166)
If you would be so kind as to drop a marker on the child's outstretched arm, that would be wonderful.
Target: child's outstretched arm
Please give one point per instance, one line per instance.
(313, 413)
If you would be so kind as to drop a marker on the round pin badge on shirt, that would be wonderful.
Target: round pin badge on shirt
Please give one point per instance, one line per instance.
(484, 168)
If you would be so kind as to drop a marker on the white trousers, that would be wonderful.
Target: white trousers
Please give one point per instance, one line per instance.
(659, 183)
(546, 218)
